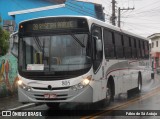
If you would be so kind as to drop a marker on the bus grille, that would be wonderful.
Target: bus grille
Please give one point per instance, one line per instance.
(59, 97)
(51, 99)
(59, 88)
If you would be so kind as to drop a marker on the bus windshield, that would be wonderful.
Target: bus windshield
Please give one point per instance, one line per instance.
(57, 53)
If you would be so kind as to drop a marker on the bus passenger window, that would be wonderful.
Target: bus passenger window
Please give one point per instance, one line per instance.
(118, 45)
(108, 44)
(127, 46)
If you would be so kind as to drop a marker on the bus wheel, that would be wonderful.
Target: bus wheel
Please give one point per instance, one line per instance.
(53, 105)
(139, 82)
(109, 95)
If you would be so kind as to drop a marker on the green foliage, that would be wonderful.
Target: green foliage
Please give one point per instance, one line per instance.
(4, 41)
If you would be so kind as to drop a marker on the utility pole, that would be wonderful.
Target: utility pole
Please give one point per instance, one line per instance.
(113, 17)
(119, 14)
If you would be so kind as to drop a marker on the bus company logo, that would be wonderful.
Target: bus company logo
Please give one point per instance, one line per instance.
(6, 113)
(49, 87)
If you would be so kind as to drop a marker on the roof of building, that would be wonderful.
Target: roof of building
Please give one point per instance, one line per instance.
(153, 36)
(36, 9)
(91, 1)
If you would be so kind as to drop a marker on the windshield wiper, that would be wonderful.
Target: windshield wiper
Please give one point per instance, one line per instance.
(82, 45)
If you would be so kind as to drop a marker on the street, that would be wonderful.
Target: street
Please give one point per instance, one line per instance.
(147, 100)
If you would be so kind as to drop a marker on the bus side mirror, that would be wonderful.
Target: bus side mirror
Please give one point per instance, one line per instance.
(98, 43)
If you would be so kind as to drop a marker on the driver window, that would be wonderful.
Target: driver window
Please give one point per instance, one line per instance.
(97, 33)
(97, 55)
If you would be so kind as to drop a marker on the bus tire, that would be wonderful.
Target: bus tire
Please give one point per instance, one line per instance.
(53, 105)
(139, 83)
(109, 95)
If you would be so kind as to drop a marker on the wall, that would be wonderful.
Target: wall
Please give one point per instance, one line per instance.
(8, 75)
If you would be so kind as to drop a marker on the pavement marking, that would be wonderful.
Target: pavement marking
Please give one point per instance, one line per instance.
(125, 104)
(23, 106)
(20, 107)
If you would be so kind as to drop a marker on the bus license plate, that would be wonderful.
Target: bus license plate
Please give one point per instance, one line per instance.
(50, 96)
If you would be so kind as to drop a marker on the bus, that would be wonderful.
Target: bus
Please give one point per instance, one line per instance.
(78, 59)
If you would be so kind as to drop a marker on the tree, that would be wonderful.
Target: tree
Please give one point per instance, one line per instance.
(4, 41)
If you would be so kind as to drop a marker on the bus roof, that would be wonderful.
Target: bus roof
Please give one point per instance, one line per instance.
(96, 21)
(107, 25)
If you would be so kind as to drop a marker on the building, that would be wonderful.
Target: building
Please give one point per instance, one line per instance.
(14, 11)
(155, 50)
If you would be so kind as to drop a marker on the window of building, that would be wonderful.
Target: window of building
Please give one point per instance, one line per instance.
(157, 43)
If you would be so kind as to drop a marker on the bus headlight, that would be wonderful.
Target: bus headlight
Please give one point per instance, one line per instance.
(19, 82)
(23, 86)
(82, 84)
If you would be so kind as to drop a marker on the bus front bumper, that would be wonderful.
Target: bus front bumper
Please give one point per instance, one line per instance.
(84, 95)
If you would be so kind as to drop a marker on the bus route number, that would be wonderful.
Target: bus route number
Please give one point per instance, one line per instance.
(65, 83)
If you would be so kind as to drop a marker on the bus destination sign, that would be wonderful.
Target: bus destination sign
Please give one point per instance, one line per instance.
(54, 25)
(45, 26)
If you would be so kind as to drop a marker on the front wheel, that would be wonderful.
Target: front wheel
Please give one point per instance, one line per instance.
(109, 95)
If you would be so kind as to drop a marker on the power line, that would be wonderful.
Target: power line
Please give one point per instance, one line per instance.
(148, 5)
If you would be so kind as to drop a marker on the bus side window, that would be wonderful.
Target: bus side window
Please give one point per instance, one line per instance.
(138, 48)
(146, 49)
(142, 48)
(118, 45)
(133, 45)
(127, 46)
(108, 44)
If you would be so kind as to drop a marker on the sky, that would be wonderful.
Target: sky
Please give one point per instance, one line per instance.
(144, 20)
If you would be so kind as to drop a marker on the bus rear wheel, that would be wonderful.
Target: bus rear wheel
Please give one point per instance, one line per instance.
(53, 105)
(139, 82)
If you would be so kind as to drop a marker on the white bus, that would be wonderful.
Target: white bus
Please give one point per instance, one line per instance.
(78, 59)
